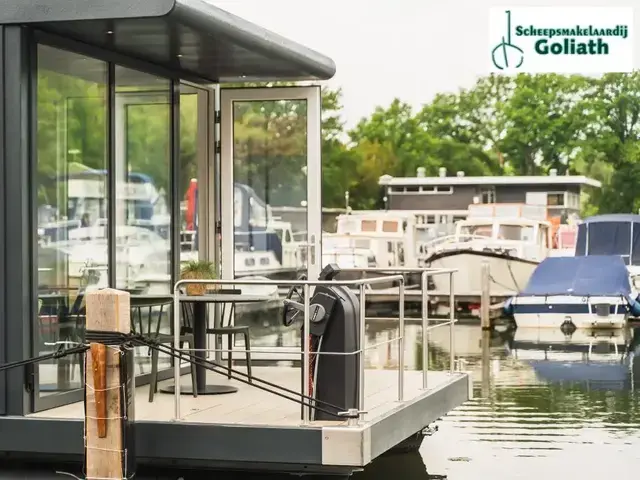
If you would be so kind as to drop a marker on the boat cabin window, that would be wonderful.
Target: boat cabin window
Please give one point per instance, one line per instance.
(555, 199)
(368, 225)
(249, 262)
(516, 232)
(389, 227)
(477, 230)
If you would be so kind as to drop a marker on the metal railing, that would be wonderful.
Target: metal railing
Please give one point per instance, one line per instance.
(362, 285)
(426, 327)
(306, 354)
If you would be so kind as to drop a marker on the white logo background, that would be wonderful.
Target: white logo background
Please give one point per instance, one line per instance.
(619, 59)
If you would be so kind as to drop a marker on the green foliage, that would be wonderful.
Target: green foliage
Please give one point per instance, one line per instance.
(200, 269)
(516, 125)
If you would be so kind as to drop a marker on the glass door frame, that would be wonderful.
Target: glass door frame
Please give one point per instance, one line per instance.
(312, 96)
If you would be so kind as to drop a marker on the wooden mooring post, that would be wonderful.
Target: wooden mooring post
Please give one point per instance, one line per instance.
(485, 299)
(109, 390)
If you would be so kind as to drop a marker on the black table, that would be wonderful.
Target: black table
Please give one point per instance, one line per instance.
(200, 339)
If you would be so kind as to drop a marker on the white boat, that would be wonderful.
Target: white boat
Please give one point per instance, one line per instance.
(581, 292)
(512, 238)
(369, 240)
(387, 235)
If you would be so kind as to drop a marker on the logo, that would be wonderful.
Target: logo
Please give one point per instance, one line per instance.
(584, 40)
(505, 50)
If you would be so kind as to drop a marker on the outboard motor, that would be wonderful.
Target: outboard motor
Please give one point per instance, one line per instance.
(334, 316)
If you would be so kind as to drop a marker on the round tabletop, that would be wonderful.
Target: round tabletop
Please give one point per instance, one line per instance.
(225, 298)
(150, 300)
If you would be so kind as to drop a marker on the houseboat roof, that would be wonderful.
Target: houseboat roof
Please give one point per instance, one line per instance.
(388, 180)
(203, 42)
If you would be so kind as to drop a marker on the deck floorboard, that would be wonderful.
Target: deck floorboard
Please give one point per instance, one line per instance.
(252, 406)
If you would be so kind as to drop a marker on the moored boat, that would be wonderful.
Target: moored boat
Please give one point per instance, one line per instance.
(586, 292)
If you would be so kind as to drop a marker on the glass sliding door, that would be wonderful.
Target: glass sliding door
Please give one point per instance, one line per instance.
(70, 193)
(271, 202)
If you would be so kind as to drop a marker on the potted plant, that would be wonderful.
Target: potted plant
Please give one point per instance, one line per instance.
(198, 270)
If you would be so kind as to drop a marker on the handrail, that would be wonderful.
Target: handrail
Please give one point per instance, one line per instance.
(291, 283)
(430, 271)
(362, 283)
(426, 327)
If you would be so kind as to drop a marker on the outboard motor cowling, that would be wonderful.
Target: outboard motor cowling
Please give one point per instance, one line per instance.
(333, 328)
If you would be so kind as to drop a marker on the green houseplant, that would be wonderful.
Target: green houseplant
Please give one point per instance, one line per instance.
(198, 270)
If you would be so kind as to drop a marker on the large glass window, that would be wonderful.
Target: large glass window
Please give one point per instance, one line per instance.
(143, 200)
(194, 117)
(143, 172)
(71, 199)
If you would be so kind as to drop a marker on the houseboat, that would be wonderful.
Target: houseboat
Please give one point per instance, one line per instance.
(451, 194)
(130, 86)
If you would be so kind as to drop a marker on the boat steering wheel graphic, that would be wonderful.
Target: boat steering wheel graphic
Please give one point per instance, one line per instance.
(505, 49)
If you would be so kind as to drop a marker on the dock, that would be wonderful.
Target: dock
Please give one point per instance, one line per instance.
(256, 430)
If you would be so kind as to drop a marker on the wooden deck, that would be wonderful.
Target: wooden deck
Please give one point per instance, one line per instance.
(251, 417)
(253, 406)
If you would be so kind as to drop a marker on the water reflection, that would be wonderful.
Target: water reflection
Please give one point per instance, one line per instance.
(546, 404)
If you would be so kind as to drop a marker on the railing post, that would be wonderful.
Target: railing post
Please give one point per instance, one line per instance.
(425, 329)
(452, 319)
(306, 357)
(109, 389)
(401, 346)
(362, 341)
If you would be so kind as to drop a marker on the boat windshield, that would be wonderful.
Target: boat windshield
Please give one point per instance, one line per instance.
(485, 230)
(610, 238)
(521, 233)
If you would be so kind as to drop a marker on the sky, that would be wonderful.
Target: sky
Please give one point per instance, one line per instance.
(386, 49)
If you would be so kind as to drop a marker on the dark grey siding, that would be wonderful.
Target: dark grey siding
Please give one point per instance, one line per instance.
(462, 196)
(460, 199)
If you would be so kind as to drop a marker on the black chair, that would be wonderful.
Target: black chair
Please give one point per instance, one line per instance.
(152, 308)
(57, 322)
(226, 329)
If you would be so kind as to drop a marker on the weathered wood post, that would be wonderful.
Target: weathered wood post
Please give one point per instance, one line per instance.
(485, 343)
(109, 388)
(485, 299)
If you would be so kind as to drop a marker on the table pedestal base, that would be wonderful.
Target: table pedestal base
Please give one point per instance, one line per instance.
(207, 390)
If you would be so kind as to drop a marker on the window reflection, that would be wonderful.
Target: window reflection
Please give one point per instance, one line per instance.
(71, 197)
(142, 201)
(270, 201)
(193, 149)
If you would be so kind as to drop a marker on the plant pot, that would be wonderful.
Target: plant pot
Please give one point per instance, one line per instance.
(195, 289)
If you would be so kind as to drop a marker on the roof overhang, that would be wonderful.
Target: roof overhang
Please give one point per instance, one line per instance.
(489, 181)
(191, 36)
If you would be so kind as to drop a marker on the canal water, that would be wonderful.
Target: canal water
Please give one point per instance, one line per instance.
(547, 404)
